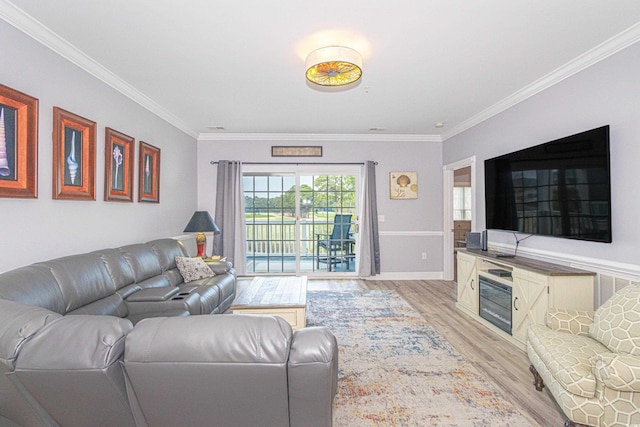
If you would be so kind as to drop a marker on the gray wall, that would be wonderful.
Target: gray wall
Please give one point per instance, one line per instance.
(411, 227)
(38, 229)
(606, 93)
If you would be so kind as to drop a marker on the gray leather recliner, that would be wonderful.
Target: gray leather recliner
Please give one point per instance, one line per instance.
(252, 371)
(227, 370)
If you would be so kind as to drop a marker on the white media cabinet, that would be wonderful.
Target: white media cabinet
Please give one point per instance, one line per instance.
(535, 287)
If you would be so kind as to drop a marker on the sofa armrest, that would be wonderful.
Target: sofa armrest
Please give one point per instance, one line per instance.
(71, 369)
(313, 376)
(618, 371)
(575, 322)
(219, 267)
(177, 303)
(153, 294)
(18, 324)
(79, 342)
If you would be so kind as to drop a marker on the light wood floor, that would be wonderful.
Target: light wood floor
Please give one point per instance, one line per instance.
(506, 366)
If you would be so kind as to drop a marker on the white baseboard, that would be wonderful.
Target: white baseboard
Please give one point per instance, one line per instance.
(407, 275)
(391, 275)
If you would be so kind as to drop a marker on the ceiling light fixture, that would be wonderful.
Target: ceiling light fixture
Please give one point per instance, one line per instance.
(333, 66)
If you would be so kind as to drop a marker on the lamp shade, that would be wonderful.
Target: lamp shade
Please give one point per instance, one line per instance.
(333, 66)
(201, 222)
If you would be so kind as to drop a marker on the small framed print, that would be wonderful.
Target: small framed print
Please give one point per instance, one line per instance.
(297, 151)
(149, 173)
(403, 185)
(74, 156)
(18, 144)
(119, 153)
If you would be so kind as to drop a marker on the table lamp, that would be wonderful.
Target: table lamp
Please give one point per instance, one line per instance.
(201, 222)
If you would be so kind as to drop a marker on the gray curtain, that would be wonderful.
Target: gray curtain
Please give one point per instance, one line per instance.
(369, 264)
(229, 217)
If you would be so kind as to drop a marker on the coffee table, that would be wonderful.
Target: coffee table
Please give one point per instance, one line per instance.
(284, 296)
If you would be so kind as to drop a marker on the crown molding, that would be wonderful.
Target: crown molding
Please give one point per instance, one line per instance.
(317, 137)
(605, 49)
(16, 17)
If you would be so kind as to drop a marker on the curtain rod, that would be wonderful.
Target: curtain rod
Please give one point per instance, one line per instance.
(295, 163)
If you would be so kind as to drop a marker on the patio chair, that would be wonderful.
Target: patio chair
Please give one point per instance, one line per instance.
(338, 244)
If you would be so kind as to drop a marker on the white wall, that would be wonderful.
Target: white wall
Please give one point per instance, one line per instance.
(606, 93)
(410, 227)
(39, 229)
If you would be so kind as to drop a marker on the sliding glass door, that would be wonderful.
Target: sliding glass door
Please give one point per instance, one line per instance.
(300, 223)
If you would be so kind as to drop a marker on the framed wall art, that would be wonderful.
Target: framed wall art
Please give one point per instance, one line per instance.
(149, 173)
(18, 144)
(74, 156)
(119, 153)
(403, 185)
(296, 151)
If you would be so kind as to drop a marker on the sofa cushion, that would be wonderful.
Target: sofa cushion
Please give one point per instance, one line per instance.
(113, 305)
(33, 285)
(119, 269)
(143, 261)
(568, 358)
(82, 279)
(616, 323)
(193, 268)
(167, 250)
(160, 281)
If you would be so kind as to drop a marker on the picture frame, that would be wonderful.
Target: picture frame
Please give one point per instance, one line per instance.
(18, 144)
(119, 155)
(149, 173)
(296, 151)
(74, 156)
(403, 185)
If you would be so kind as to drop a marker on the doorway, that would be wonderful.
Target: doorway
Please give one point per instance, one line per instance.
(301, 223)
(459, 213)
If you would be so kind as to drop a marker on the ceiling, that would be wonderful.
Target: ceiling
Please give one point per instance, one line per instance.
(203, 64)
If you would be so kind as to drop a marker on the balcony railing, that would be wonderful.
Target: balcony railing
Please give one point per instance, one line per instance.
(265, 237)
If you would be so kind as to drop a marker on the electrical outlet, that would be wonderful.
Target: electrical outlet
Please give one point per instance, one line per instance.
(424, 255)
(380, 218)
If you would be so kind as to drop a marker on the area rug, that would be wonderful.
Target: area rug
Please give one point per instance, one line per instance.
(395, 370)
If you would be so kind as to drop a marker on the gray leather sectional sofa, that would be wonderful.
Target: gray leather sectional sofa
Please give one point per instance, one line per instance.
(133, 282)
(116, 338)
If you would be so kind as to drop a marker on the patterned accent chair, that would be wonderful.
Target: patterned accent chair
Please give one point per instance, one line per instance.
(590, 362)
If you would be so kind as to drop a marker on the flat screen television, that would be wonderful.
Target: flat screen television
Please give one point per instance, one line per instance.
(561, 188)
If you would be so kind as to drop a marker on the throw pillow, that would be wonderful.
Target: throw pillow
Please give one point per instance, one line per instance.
(193, 268)
(616, 324)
